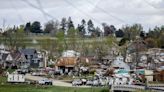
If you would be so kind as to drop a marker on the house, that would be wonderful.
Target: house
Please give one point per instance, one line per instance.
(137, 45)
(128, 58)
(19, 59)
(66, 64)
(6, 60)
(86, 60)
(106, 60)
(70, 53)
(33, 58)
(159, 77)
(11, 59)
(3, 47)
(119, 63)
(149, 75)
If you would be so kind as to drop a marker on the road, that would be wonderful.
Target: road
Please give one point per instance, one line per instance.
(65, 84)
(55, 82)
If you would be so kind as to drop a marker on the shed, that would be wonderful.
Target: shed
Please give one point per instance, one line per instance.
(16, 78)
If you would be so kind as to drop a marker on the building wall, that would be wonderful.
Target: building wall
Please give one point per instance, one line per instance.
(149, 75)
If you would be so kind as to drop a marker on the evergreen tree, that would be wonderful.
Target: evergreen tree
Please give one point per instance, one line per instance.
(70, 23)
(36, 27)
(63, 24)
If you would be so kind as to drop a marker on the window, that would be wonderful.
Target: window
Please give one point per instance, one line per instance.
(26, 56)
(31, 56)
(35, 61)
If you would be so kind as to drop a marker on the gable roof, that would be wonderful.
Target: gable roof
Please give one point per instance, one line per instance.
(4, 56)
(67, 61)
(28, 51)
(16, 55)
(120, 63)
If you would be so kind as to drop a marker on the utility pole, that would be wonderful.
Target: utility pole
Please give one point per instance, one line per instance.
(3, 24)
(137, 51)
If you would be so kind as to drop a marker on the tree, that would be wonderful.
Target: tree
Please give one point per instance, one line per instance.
(158, 35)
(72, 34)
(15, 39)
(161, 40)
(132, 31)
(60, 42)
(91, 28)
(123, 41)
(142, 34)
(97, 32)
(36, 27)
(108, 30)
(63, 24)
(151, 43)
(51, 27)
(81, 28)
(27, 27)
(119, 33)
(70, 23)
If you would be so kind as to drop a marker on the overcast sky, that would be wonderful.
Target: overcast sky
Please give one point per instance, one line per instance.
(118, 12)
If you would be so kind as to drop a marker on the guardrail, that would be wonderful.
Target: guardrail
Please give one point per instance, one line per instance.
(156, 85)
(126, 88)
(153, 87)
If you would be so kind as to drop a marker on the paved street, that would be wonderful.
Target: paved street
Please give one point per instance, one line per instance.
(55, 82)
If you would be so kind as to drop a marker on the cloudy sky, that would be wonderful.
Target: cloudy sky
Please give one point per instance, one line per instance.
(118, 12)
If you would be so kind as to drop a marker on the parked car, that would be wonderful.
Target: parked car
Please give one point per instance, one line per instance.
(95, 83)
(102, 83)
(23, 71)
(84, 81)
(38, 74)
(89, 83)
(56, 72)
(45, 82)
(77, 82)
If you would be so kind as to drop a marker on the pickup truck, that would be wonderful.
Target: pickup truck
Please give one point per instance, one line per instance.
(45, 82)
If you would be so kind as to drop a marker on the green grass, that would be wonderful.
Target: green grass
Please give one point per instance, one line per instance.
(33, 88)
(2, 80)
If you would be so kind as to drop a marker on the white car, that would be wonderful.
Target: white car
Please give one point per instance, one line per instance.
(45, 82)
(77, 83)
(89, 83)
(38, 74)
(95, 83)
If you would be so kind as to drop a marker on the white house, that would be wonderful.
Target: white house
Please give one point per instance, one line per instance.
(70, 53)
(118, 62)
(128, 58)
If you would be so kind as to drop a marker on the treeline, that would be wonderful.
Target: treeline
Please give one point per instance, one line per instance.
(153, 38)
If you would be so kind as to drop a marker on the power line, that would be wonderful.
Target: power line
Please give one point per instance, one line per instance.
(3, 23)
(41, 9)
(81, 11)
(150, 4)
(107, 13)
(38, 8)
(18, 14)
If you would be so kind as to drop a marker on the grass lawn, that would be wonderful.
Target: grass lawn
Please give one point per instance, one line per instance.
(32, 88)
(2, 80)
(6, 87)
